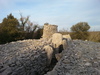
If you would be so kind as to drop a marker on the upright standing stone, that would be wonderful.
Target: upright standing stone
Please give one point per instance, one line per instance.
(49, 30)
(49, 51)
(57, 41)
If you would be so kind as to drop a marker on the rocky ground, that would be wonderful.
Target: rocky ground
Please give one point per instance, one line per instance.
(27, 57)
(81, 58)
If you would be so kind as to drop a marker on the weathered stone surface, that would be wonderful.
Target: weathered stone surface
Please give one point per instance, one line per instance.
(81, 58)
(65, 44)
(49, 30)
(52, 73)
(69, 40)
(56, 41)
(58, 56)
(25, 57)
(68, 37)
(49, 51)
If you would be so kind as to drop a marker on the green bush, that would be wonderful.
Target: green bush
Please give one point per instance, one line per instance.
(79, 35)
(80, 31)
(9, 29)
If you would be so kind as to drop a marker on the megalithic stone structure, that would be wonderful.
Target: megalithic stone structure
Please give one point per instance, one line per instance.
(49, 30)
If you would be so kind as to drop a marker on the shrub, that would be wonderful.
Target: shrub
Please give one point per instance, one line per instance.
(80, 31)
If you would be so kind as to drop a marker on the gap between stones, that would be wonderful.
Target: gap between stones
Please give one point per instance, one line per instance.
(53, 61)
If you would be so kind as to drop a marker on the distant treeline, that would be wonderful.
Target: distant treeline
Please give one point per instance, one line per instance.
(13, 29)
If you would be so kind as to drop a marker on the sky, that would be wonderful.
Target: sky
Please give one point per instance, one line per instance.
(64, 13)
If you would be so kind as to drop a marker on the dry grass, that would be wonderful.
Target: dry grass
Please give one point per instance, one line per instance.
(93, 35)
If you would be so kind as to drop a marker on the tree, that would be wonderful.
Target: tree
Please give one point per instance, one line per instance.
(31, 29)
(38, 34)
(81, 26)
(9, 29)
(24, 21)
(80, 30)
(12, 30)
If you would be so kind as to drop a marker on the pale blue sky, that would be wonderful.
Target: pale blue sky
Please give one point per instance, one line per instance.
(63, 13)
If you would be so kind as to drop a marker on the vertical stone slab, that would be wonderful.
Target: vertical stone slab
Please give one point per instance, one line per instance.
(49, 30)
(57, 41)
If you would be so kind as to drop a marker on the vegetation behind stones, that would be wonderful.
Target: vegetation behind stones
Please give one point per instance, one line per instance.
(13, 29)
(81, 31)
